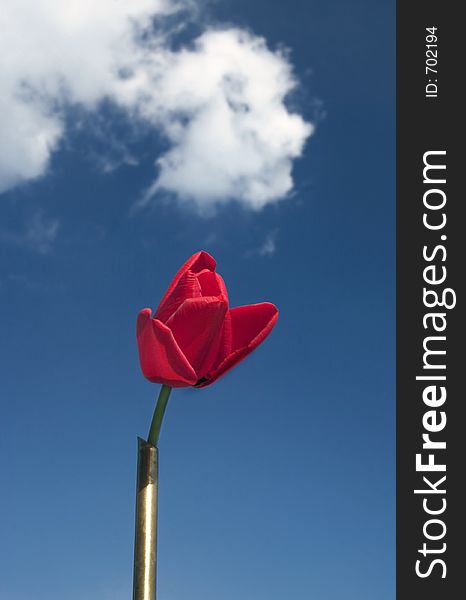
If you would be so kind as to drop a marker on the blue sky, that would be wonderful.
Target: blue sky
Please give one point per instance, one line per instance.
(277, 481)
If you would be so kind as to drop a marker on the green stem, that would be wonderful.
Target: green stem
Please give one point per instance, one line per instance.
(159, 411)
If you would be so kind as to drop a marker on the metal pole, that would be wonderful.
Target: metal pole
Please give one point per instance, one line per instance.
(145, 540)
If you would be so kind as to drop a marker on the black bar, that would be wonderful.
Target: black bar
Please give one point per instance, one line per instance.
(430, 119)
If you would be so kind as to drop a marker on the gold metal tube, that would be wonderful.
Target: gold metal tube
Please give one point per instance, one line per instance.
(145, 539)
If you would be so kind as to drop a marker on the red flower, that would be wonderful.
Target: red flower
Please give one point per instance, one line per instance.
(194, 337)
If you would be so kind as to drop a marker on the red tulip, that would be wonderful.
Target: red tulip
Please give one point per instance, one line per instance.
(194, 337)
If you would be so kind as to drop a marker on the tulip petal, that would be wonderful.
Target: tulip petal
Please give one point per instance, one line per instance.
(211, 284)
(161, 359)
(224, 349)
(197, 328)
(250, 325)
(196, 263)
(188, 286)
(250, 322)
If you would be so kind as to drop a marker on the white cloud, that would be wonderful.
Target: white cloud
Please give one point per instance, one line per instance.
(269, 245)
(219, 102)
(54, 52)
(39, 234)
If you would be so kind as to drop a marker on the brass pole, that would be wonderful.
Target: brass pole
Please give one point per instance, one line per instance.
(145, 539)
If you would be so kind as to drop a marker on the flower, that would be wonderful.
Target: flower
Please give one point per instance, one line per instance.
(194, 337)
